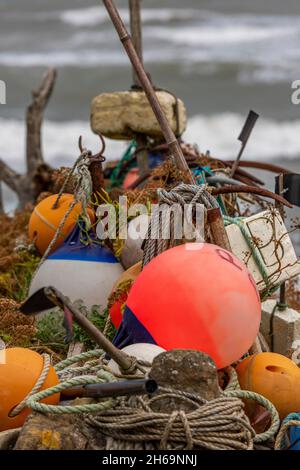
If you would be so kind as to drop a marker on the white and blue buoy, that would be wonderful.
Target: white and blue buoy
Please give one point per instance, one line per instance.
(80, 270)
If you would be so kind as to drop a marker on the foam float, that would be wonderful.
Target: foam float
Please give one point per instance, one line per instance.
(275, 377)
(142, 351)
(45, 220)
(194, 296)
(18, 375)
(81, 269)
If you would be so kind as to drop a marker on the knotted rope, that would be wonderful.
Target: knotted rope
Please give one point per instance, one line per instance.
(162, 227)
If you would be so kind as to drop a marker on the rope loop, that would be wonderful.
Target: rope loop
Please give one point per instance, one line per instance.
(33, 401)
(39, 383)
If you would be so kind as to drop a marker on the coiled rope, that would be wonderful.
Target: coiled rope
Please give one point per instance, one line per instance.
(132, 423)
(219, 424)
(162, 231)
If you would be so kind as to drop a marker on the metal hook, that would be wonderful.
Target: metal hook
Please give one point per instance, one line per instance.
(97, 156)
(80, 144)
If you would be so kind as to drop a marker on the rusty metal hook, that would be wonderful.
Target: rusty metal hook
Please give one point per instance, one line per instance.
(98, 156)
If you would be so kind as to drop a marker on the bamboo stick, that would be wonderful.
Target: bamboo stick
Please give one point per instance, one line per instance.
(147, 86)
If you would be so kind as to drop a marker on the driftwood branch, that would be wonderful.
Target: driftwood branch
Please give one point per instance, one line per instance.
(1, 200)
(34, 119)
(37, 177)
(9, 176)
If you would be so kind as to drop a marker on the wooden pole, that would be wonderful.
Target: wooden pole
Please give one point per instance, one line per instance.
(126, 40)
(136, 33)
(217, 228)
(122, 359)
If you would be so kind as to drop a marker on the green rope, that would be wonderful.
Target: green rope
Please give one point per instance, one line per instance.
(253, 248)
(117, 176)
(79, 357)
(246, 394)
(102, 376)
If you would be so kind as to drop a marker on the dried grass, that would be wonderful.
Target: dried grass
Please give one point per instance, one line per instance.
(16, 329)
(17, 262)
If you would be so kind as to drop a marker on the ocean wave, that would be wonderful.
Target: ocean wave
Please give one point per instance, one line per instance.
(217, 133)
(270, 140)
(211, 35)
(60, 142)
(96, 15)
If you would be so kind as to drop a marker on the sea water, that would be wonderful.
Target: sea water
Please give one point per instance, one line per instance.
(222, 57)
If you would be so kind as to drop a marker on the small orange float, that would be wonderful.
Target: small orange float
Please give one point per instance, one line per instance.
(275, 377)
(45, 220)
(19, 373)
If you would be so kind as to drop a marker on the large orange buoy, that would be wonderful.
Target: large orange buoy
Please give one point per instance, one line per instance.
(18, 375)
(275, 377)
(45, 220)
(120, 292)
(194, 296)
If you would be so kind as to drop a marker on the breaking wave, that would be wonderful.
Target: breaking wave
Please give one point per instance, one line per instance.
(217, 133)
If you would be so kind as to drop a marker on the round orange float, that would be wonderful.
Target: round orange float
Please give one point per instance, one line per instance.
(275, 377)
(20, 369)
(193, 296)
(45, 220)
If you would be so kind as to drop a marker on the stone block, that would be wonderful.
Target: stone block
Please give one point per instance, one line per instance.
(121, 115)
(286, 329)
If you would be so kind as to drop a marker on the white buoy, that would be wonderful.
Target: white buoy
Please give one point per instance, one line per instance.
(81, 272)
(142, 351)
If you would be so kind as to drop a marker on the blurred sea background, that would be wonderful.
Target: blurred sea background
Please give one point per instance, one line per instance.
(222, 57)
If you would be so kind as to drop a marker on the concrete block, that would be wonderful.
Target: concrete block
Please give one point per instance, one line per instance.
(286, 329)
(123, 114)
(271, 239)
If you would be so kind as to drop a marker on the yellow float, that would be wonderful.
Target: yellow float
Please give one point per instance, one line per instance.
(275, 377)
(20, 369)
(45, 220)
